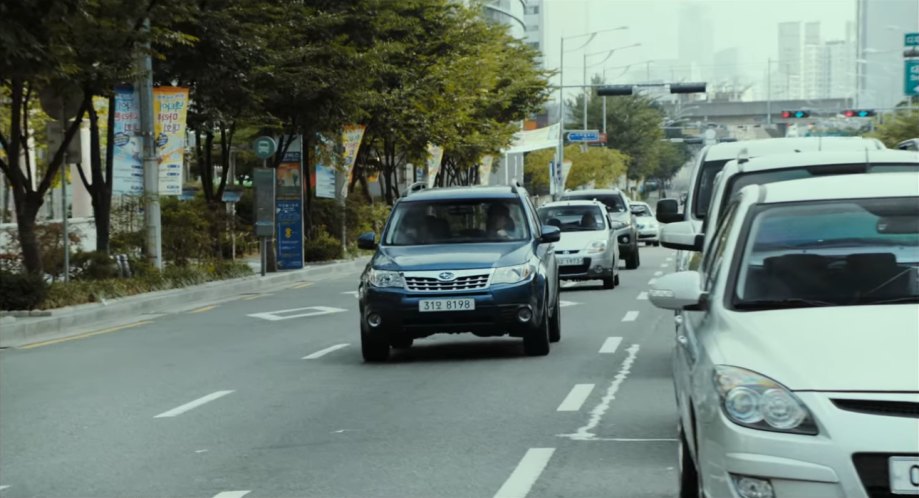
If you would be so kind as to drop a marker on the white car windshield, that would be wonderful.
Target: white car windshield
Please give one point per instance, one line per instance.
(836, 253)
(458, 221)
(573, 218)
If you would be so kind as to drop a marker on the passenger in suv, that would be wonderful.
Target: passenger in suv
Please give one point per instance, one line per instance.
(469, 259)
(621, 219)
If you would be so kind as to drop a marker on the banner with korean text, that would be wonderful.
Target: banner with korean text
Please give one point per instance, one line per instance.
(127, 152)
(435, 157)
(351, 138)
(170, 109)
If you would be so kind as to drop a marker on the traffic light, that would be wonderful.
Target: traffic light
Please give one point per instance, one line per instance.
(795, 114)
(614, 90)
(687, 88)
(859, 113)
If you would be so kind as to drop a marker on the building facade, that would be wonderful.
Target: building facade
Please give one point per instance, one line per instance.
(881, 26)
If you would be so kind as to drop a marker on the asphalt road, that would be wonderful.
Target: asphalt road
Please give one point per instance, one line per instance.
(248, 398)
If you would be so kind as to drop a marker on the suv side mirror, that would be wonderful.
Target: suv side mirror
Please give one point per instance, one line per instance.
(550, 234)
(668, 211)
(682, 236)
(367, 240)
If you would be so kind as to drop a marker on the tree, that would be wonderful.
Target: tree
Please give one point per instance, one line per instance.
(598, 166)
(902, 125)
(670, 158)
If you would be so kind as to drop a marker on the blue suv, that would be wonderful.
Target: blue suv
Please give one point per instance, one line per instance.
(466, 259)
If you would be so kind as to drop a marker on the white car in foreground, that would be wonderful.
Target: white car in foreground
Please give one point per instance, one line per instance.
(796, 366)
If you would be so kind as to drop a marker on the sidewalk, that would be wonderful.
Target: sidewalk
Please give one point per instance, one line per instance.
(74, 320)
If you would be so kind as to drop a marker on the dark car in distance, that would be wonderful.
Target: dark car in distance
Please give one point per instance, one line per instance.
(457, 260)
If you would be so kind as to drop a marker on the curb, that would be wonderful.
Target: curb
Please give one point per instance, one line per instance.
(65, 322)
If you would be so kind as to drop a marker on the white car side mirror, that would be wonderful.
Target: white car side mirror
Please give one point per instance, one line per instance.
(678, 291)
(681, 236)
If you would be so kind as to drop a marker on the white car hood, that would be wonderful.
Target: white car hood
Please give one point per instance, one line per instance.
(578, 241)
(842, 348)
(646, 220)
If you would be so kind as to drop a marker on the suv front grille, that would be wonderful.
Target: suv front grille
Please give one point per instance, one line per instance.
(875, 407)
(434, 284)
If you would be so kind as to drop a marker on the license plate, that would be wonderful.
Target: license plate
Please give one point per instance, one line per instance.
(570, 261)
(461, 304)
(904, 475)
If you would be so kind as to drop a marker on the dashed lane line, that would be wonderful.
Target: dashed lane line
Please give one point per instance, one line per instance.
(193, 404)
(203, 309)
(658, 273)
(630, 316)
(576, 398)
(643, 296)
(232, 494)
(526, 474)
(610, 345)
(323, 352)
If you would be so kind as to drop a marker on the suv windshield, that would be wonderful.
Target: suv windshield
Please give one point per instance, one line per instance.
(705, 187)
(573, 218)
(640, 210)
(835, 253)
(457, 221)
(614, 202)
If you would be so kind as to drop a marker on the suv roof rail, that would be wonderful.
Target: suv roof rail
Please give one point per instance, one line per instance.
(515, 184)
(416, 187)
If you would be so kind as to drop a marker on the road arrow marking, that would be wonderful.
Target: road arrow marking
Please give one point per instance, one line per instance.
(274, 316)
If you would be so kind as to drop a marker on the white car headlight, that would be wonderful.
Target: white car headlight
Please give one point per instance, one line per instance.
(618, 225)
(386, 278)
(596, 246)
(514, 274)
(755, 401)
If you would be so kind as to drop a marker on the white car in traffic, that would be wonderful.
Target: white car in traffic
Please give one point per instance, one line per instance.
(645, 223)
(796, 366)
(588, 249)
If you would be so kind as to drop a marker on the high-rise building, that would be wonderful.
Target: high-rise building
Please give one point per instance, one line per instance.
(879, 60)
(696, 39)
(839, 65)
(534, 19)
(509, 12)
(790, 59)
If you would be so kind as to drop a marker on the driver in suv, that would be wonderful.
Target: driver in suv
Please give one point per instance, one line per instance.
(467, 259)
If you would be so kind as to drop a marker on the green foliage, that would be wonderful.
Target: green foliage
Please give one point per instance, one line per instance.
(21, 291)
(901, 125)
(93, 265)
(670, 158)
(326, 220)
(598, 166)
(186, 230)
(322, 247)
(51, 248)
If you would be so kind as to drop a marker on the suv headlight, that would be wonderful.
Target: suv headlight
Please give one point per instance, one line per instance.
(757, 402)
(596, 247)
(618, 225)
(514, 274)
(386, 278)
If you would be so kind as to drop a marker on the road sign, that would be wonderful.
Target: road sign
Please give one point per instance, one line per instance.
(911, 40)
(265, 147)
(584, 136)
(911, 77)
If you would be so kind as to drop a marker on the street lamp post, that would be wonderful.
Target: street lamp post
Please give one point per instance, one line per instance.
(560, 156)
(609, 53)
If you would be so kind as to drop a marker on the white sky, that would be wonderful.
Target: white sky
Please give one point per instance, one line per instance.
(748, 25)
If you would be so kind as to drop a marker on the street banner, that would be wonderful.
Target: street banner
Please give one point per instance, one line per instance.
(435, 156)
(289, 177)
(325, 174)
(170, 109)
(485, 166)
(127, 153)
(351, 138)
(566, 168)
(289, 222)
(530, 140)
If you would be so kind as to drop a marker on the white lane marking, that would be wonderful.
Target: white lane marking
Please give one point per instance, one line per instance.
(576, 398)
(323, 352)
(630, 316)
(651, 282)
(636, 439)
(664, 265)
(274, 316)
(527, 472)
(643, 296)
(194, 404)
(232, 494)
(353, 293)
(3, 487)
(568, 283)
(584, 433)
(610, 345)
(658, 273)
(565, 304)
(669, 259)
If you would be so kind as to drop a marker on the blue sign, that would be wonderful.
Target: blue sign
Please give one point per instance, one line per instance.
(911, 77)
(289, 222)
(911, 40)
(584, 136)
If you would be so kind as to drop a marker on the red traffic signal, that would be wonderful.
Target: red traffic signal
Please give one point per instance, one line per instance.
(795, 114)
(859, 113)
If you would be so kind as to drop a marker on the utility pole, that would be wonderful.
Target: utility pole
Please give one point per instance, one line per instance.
(152, 220)
(769, 91)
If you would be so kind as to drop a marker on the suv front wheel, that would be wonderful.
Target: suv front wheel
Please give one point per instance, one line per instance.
(536, 343)
(374, 346)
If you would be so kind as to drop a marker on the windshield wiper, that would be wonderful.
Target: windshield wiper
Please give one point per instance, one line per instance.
(769, 304)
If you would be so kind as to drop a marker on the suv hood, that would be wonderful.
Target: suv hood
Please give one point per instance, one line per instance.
(839, 348)
(451, 256)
